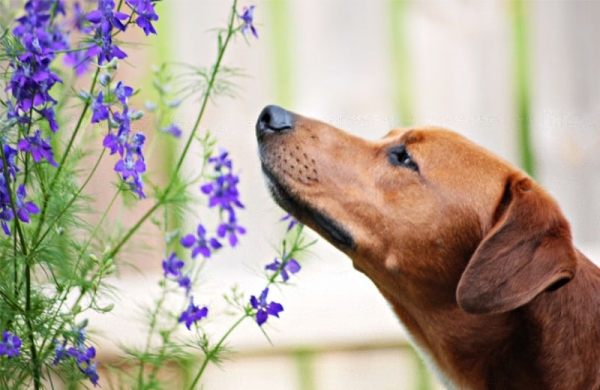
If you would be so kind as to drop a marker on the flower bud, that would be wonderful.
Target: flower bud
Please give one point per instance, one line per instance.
(104, 78)
(107, 308)
(135, 114)
(150, 106)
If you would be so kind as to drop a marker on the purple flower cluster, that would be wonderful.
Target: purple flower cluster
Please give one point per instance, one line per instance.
(32, 79)
(78, 353)
(172, 267)
(104, 19)
(121, 139)
(102, 24)
(263, 308)
(223, 192)
(38, 147)
(285, 267)
(10, 345)
(37, 40)
(145, 14)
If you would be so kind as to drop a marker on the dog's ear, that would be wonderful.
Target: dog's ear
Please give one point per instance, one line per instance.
(528, 250)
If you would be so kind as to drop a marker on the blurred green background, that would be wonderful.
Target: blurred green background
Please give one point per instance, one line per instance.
(518, 77)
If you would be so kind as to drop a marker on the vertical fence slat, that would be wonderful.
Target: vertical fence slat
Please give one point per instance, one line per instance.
(522, 84)
(400, 61)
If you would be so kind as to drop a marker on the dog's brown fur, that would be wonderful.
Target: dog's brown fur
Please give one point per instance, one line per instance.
(475, 258)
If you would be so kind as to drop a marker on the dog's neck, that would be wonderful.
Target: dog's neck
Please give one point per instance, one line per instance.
(497, 350)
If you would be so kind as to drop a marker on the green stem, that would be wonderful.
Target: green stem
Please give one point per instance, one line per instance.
(75, 131)
(285, 257)
(37, 374)
(79, 258)
(71, 201)
(30, 331)
(210, 354)
(153, 321)
(209, 88)
(135, 228)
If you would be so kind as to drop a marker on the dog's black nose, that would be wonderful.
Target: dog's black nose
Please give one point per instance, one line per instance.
(273, 119)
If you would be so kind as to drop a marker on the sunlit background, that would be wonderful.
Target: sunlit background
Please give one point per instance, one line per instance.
(520, 78)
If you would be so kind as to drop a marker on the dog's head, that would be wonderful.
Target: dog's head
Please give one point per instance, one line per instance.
(428, 215)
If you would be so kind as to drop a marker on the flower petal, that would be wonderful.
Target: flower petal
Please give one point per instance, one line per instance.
(261, 317)
(188, 240)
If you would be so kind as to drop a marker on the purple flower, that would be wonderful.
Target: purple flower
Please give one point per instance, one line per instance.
(173, 265)
(49, 115)
(106, 18)
(6, 215)
(137, 187)
(79, 20)
(6, 212)
(123, 120)
(220, 161)
(30, 84)
(123, 92)
(81, 354)
(10, 345)
(293, 221)
(193, 314)
(128, 167)
(290, 265)
(136, 143)
(263, 308)
(116, 143)
(104, 48)
(11, 154)
(60, 350)
(223, 192)
(172, 129)
(83, 358)
(24, 208)
(99, 110)
(200, 243)
(79, 60)
(35, 51)
(230, 229)
(38, 148)
(32, 78)
(80, 331)
(91, 371)
(186, 283)
(12, 114)
(146, 15)
(247, 17)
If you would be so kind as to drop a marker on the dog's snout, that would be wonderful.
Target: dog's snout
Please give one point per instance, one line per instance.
(273, 119)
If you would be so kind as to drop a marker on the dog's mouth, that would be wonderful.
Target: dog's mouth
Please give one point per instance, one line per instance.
(330, 229)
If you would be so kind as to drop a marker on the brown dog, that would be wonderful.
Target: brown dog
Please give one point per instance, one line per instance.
(475, 258)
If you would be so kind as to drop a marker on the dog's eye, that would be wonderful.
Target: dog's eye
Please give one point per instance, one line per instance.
(399, 156)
